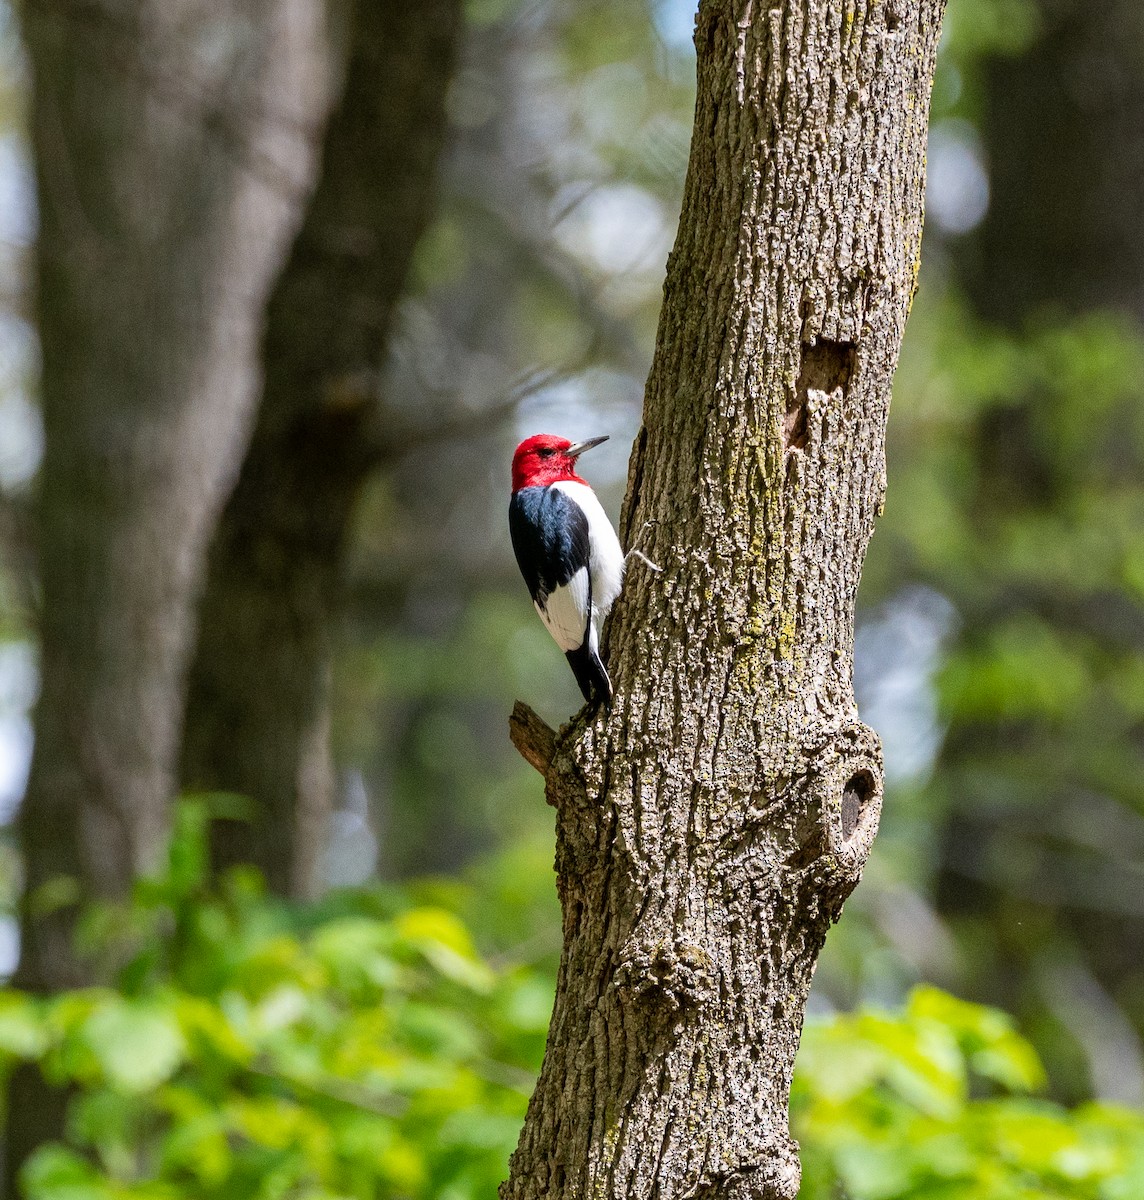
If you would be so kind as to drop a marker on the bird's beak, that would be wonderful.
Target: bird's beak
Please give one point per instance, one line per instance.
(580, 447)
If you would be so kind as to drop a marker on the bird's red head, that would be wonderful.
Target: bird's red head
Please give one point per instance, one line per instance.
(543, 459)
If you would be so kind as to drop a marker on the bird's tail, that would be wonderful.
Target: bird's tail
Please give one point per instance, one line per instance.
(590, 673)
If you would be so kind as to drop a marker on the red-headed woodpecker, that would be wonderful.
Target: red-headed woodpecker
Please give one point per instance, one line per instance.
(567, 552)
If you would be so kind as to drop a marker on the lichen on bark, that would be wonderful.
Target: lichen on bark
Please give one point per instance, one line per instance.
(711, 825)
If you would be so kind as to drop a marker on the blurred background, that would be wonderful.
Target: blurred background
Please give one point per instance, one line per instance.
(1001, 621)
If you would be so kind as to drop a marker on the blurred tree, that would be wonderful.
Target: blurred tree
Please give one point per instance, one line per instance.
(1063, 130)
(711, 824)
(258, 720)
(1041, 765)
(174, 145)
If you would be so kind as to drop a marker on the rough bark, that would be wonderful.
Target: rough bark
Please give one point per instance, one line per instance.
(258, 720)
(174, 144)
(711, 825)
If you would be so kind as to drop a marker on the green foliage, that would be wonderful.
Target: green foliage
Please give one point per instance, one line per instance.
(938, 1101)
(364, 1047)
(358, 1048)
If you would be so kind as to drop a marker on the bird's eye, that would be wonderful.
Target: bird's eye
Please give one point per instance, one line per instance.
(546, 452)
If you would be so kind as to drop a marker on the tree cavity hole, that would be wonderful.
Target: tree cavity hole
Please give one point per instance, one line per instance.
(855, 796)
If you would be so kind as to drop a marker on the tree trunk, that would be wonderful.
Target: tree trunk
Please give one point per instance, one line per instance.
(711, 825)
(174, 145)
(258, 719)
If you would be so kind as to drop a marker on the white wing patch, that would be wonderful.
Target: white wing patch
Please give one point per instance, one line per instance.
(565, 612)
(605, 558)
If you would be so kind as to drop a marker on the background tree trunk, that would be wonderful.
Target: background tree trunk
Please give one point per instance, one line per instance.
(711, 826)
(174, 145)
(1063, 131)
(258, 707)
(1050, 116)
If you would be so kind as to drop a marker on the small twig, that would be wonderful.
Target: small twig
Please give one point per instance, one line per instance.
(634, 552)
(535, 740)
(327, 1087)
(644, 559)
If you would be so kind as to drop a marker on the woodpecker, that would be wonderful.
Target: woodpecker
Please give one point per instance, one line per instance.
(567, 552)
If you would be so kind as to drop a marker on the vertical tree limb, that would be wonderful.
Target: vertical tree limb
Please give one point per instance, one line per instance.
(258, 715)
(711, 826)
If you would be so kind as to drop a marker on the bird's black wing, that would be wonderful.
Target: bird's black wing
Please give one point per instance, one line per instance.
(549, 538)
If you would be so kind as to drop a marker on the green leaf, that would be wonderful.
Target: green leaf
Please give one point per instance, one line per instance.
(446, 944)
(358, 953)
(56, 1173)
(874, 1172)
(206, 1024)
(197, 1141)
(23, 1030)
(137, 1043)
(527, 1004)
(995, 1050)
